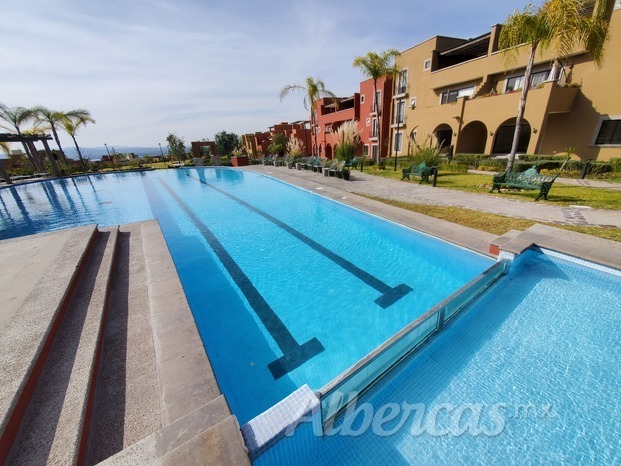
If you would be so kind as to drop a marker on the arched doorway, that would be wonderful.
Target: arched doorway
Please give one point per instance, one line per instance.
(503, 138)
(472, 138)
(444, 135)
(328, 151)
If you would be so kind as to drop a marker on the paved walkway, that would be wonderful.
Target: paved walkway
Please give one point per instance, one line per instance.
(614, 185)
(370, 185)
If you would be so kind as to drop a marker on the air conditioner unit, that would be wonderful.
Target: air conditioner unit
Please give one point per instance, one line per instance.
(413, 102)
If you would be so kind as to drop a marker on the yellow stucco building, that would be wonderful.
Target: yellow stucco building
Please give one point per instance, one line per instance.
(464, 92)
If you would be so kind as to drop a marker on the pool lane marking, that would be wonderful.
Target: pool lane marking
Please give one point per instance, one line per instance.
(389, 295)
(294, 354)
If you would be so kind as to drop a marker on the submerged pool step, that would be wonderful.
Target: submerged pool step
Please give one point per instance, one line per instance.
(54, 425)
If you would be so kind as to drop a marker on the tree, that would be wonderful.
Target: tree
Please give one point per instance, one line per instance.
(4, 146)
(16, 117)
(71, 124)
(377, 66)
(53, 118)
(559, 26)
(315, 90)
(176, 146)
(278, 144)
(226, 143)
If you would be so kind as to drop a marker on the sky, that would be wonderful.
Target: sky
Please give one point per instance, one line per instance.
(144, 68)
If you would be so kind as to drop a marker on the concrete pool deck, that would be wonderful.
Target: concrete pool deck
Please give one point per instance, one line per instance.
(156, 398)
(412, 192)
(129, 381)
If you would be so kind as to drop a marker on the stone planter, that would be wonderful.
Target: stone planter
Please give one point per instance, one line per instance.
(240, 161)
(289, 165)
(299, 166)
(326, 171)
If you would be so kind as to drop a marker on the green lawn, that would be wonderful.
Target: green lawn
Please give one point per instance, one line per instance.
(559, 194)
(492, 223)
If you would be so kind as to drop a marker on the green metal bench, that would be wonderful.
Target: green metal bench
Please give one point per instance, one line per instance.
(421, 171)
(530, 179)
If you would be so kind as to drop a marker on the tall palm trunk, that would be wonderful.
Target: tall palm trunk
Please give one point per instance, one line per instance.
(522, 106)
(79, 153)
(57, 139)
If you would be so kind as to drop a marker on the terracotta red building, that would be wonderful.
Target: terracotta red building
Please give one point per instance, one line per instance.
(360, 108)
(259, 142)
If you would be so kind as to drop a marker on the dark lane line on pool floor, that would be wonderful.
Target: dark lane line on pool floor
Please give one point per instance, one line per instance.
(294, 354)
(389, 295)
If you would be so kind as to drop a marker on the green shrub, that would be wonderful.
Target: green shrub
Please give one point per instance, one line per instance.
(472, 160)
(597, 168)
(615, 164)
(428, 150)
(454, 167)
(537, 158)
(492, 164)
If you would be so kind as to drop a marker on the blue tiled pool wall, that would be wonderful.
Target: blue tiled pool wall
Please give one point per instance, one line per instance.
(542, 343)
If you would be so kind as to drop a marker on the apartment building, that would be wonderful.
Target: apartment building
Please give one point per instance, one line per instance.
(463, 92)
(259, 142)
(359, 107)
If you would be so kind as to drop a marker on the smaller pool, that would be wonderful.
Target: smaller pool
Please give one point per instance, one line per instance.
(527, 375)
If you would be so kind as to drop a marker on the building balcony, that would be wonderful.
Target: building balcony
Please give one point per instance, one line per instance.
(545, 99)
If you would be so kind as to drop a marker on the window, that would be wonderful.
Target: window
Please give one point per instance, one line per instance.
(448, 97)
(427, 65)
(374, 130)
(609, 133)
(517, 82)
(328, 127)
(374, 150)
(365, 150)
(398, 141)
(361, 98)
(402, 83)
(538, 78)
(400, 112)
(368, 122)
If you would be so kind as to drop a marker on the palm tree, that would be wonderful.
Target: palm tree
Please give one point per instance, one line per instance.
(377, 66)
(559, 26)
(7, 150)
(16, 117)
(72, 122)
(315, 89)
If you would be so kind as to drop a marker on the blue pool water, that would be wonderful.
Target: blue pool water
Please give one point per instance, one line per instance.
(287, 288)
(538, 356)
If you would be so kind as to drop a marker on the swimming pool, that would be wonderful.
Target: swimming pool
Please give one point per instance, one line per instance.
(287, 288)
(529, 374)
